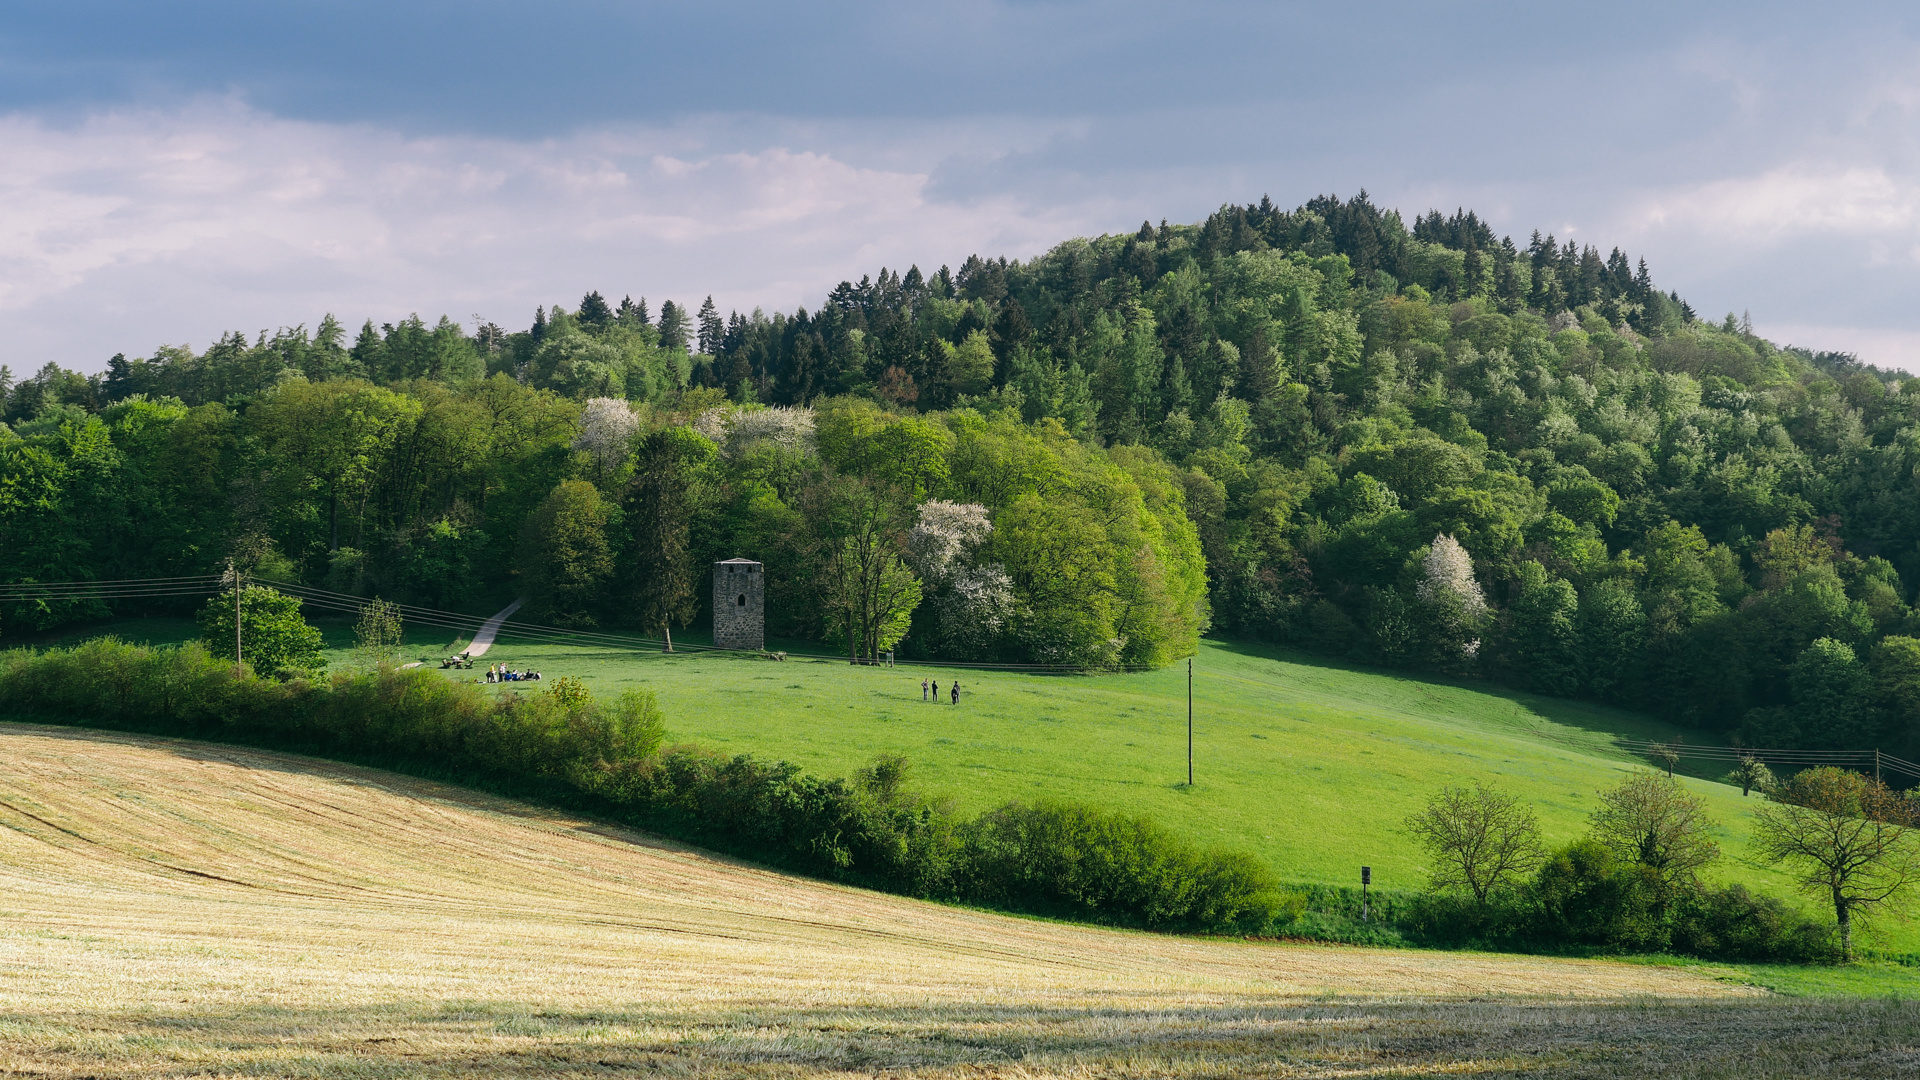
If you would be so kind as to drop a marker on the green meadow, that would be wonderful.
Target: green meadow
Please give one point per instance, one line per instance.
(1309, 764)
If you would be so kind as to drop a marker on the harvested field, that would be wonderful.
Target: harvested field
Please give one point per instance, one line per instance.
(180, 909)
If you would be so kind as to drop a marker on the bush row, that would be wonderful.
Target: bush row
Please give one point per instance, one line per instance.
(1584, 900)
(560, 745)
(871, 829)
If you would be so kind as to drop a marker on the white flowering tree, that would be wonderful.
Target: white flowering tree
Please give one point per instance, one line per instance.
(973, 602)
(1450, 597)
(735, 429)
(944, 536)
(606, 432)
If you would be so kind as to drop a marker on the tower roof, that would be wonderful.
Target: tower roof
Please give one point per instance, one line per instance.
(748, 562)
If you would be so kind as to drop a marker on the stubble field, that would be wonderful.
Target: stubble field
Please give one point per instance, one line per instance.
(179, 909)
(1310, 765)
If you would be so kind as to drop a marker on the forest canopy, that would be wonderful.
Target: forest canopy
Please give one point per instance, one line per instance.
(1426, 447)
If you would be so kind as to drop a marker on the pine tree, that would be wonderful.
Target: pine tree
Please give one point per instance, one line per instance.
(712, 330)
(630, 314)
(594, 312)
(370, 351)
(673, 326)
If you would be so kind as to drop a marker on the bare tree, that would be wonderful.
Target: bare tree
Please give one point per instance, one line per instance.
(1665, 755)
(1850, 839)
(1652, 820)
(1478, 838)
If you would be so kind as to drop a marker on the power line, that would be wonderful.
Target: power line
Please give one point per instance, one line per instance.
(329, 600)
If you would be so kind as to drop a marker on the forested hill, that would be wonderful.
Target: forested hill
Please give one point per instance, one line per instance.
(1421, 447)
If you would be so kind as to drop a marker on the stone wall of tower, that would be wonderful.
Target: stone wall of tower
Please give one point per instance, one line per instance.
(739, 605)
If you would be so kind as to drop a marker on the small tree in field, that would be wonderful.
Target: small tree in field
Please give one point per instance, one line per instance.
(1750, 772)
(273, 636)
(1653, 821)
(1665, 755)
(377, 635)
(1849, 838)
(1478, 838)
(570, 692)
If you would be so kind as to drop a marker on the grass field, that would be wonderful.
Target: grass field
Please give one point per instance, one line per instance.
(1310, 765)
(181, 909)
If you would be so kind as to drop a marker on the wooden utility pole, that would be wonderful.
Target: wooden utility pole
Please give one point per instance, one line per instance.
(1189, 722)
(234, 576)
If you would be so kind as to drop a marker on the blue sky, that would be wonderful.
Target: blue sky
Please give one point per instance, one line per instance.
(169, 172)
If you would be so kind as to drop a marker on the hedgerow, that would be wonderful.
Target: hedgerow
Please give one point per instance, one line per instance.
(608, 758)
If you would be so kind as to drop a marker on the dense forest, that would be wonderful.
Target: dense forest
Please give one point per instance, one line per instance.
(1421, 447)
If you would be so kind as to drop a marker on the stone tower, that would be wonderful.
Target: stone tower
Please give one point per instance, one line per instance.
(739, 605)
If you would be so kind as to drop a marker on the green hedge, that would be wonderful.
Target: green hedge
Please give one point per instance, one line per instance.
(870, 829)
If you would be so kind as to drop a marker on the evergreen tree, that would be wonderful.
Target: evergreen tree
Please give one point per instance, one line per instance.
(594, 314)
(632, 314)
(673, 326)
(712, 330)
(369, 352)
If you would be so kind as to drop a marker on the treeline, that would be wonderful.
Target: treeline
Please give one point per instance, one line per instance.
(1422, 447)
(561, 746)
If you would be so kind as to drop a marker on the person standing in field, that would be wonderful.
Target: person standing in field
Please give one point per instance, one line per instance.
(923, 689)
(956, 691)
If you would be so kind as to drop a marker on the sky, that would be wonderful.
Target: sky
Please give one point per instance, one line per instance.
(172, 172)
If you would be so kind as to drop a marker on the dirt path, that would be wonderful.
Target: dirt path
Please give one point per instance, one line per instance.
(483, 637)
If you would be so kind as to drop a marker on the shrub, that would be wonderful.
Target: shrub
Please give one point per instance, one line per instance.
(606, 757)
(1107, 867)
(1585, 895)
(274, 637)
(770, 811)
(1734, 924)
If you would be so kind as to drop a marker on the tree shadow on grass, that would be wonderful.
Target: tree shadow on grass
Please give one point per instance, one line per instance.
(1582, 725)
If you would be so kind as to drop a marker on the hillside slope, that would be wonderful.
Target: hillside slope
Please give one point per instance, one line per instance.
(181, 908)
(1310, 765)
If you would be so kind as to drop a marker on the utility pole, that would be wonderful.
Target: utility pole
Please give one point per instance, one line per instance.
(234, 576)
(1189, 722)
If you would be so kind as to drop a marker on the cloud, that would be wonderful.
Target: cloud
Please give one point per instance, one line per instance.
(137, 227)
(1888, 348)
(1793, 200)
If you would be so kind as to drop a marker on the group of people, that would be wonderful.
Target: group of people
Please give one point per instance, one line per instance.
(501, 673)
(935, 687)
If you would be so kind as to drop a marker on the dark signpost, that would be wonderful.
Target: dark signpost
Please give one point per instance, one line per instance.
(1366, 879)
(1189, 723)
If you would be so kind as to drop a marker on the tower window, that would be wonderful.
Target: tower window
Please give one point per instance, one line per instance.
(743, 600)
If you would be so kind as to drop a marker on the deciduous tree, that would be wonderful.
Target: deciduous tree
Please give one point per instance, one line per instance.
(1848, 839)
(1477, 838)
